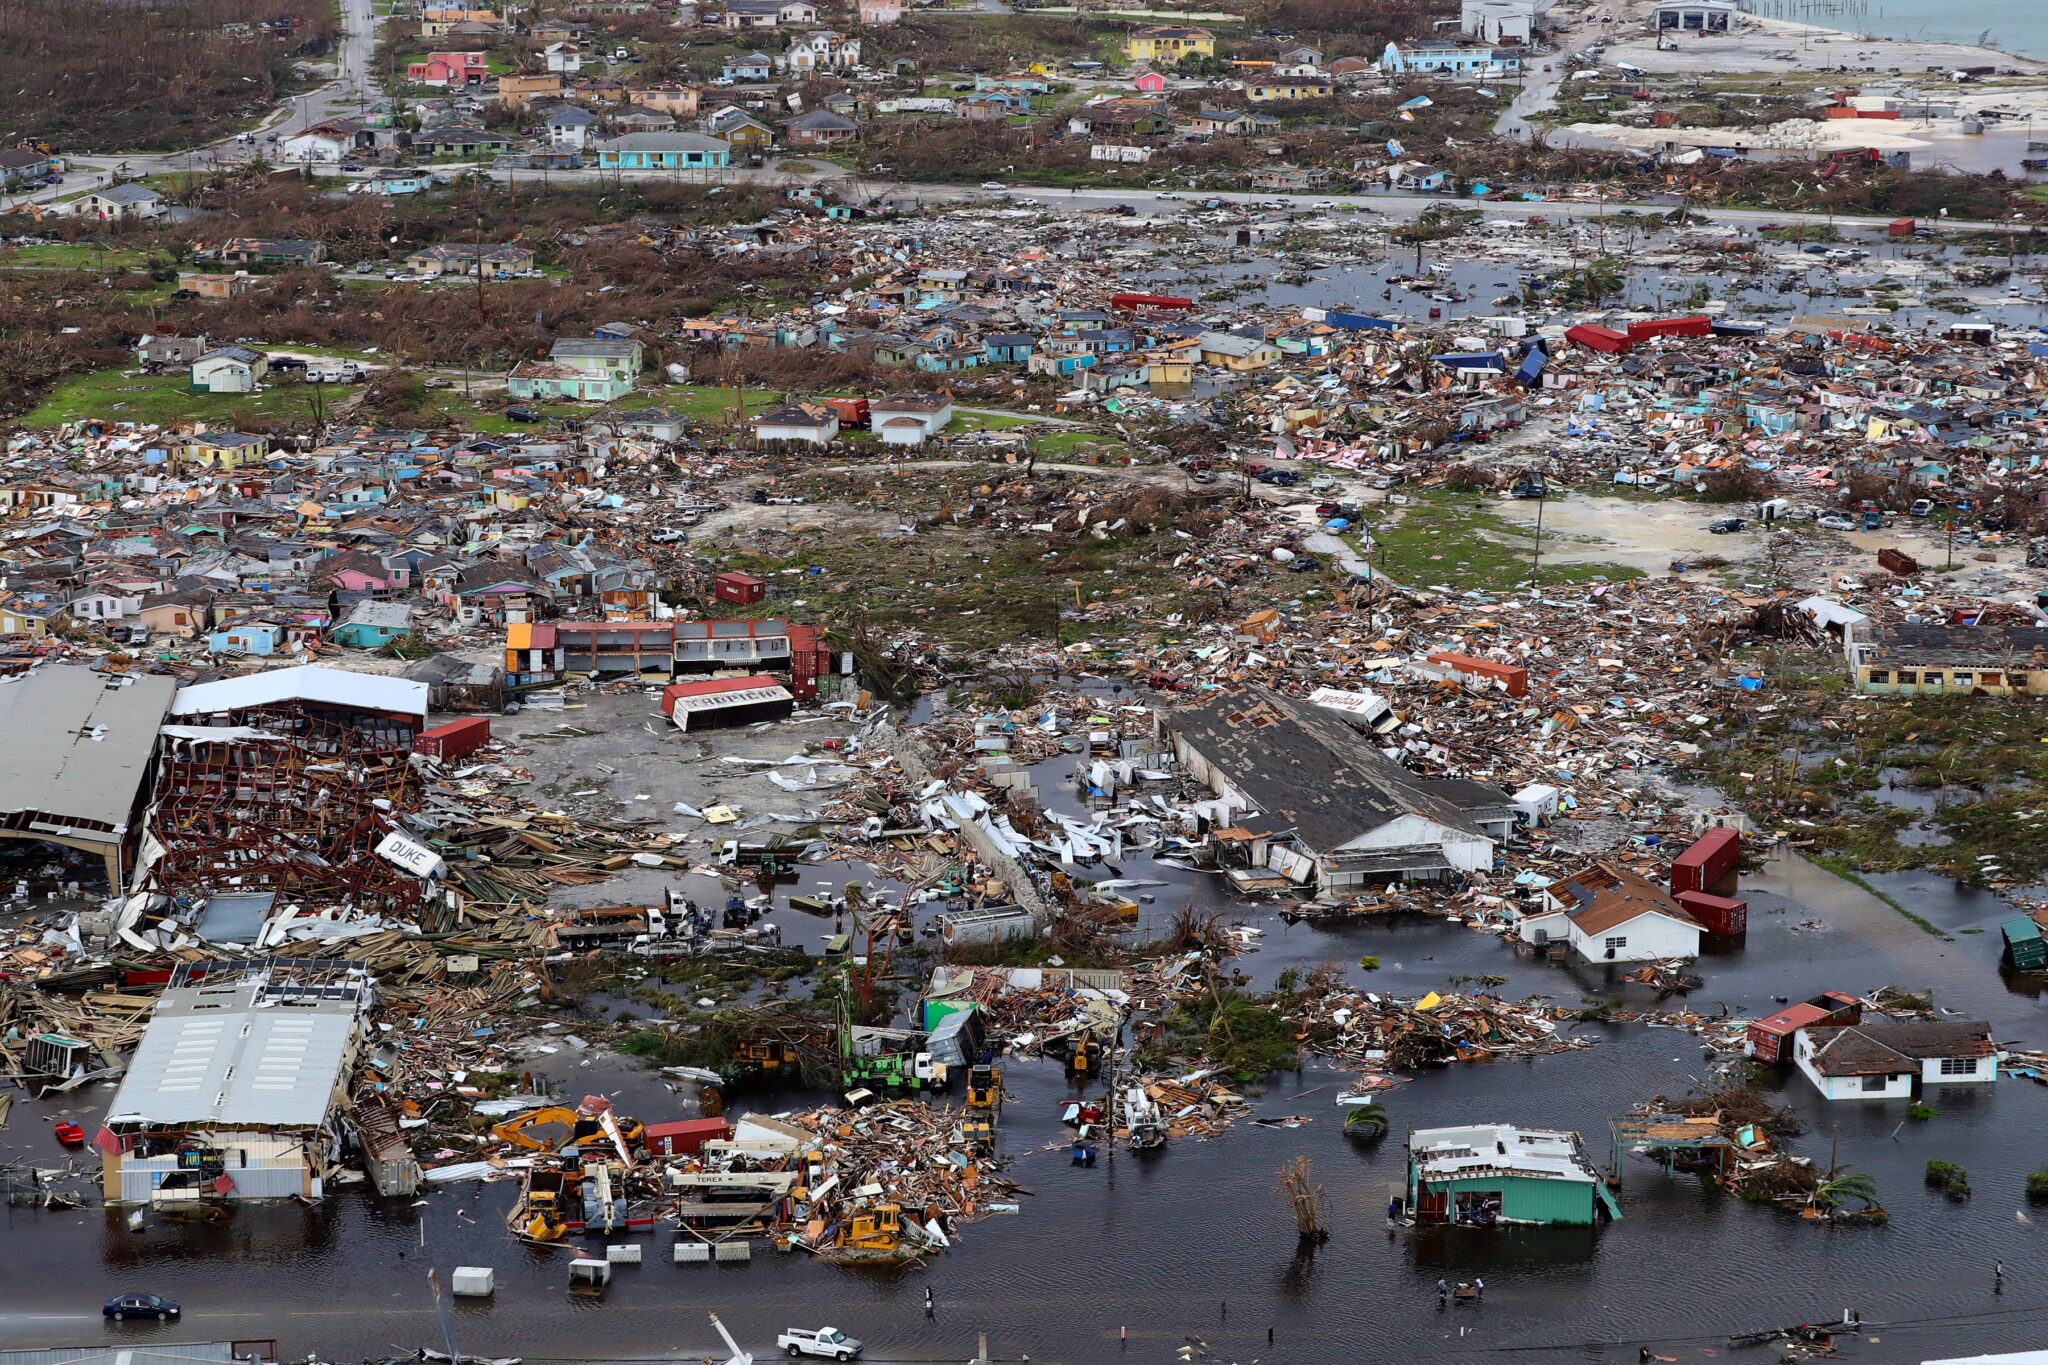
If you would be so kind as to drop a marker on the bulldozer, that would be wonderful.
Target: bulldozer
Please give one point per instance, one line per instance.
(978, 1130)
(877, 1229)
(769, 1054)
(985, 1088)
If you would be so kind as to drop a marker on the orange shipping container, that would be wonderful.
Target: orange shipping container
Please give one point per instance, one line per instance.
(1513, 675)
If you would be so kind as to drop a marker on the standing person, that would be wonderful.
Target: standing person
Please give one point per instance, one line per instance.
(930, 1308)
(1478, 1288)
(1443, 1293)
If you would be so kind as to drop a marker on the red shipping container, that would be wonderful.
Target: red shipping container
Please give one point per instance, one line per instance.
(1515, 676)
(1709, 865)
(743, 588)
(1598, 338)
(1149, 301)
(456, 739)
(1719, 914)
(1670, 327)
(684, 1137)
(1901, 227)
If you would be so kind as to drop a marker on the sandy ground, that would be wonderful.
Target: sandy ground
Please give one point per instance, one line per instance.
(1813, 48)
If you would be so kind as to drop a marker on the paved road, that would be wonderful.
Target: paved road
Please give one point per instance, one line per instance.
(350, 91)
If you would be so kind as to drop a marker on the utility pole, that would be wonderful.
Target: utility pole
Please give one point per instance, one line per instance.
(1536, 565)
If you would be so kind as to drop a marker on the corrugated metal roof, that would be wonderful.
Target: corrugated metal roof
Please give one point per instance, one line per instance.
(75, 745)
(311, 682)
(229, 1054)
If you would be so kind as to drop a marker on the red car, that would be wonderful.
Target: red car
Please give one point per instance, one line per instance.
(70, 1134)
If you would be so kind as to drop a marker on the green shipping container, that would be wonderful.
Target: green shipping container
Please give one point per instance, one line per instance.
(2025, 948)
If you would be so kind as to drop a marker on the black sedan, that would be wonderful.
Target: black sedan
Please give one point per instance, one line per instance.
(141, 1306)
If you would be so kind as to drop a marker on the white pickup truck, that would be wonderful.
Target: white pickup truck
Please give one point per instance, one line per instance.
(828, 1342)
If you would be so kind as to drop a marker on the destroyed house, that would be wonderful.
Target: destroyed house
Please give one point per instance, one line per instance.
(1884, 1059)
(1997, 660)
(1608, 914)
(1765, 1038)
(237, 1088)
(589, 647)
(342, 707)
(79, 758)
(1324, 805)
(1487, 1174)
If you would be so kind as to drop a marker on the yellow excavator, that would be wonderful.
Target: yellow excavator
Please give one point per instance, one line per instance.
(579, 1125)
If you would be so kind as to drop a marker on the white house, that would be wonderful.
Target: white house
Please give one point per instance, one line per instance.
(809, 422)
(100, 605)
(1881, 1060)
(231, 369)
(821, 50)
(569, 126)
(1321, 803)
(1608, 914)
(932, 411)
(121, 201)
(564, 57)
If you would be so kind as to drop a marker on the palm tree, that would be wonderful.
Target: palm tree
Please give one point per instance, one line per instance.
(1367, 1122)
(1841, 1185)
(1594, 281)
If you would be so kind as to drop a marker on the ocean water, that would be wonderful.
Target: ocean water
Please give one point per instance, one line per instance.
(2016, 26)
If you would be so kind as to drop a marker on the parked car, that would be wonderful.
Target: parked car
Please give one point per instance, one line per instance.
(1727, 526)
(1832, 521)
(1923, 507)
(669, 536)
(993, 185)
(141, 1306)
(828, 1342)
(523, 415)
(350, 168)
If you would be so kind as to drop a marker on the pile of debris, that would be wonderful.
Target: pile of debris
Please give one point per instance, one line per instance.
(890, 1183)
(1371, 1030)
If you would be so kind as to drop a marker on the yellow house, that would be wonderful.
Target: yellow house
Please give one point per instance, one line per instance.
(519, 89)
(18, 620)
(227, 450)
(1288, 88)
(1165, 44)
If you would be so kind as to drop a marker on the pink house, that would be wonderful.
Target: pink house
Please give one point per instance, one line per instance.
(357, 571)
(880, 11)
(449, 68)
(1148, 80)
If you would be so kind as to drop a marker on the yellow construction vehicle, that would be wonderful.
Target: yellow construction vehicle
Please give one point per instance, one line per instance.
(543, 1228)
(1086, 1058)
(977, 1130)
(877, 1229)
(578, 1127)
(985, 1088)
(770, 1054)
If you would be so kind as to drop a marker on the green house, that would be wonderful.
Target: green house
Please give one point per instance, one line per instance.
(1495, 1173)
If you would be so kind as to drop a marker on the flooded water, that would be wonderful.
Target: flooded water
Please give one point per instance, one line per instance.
(1193, 1241)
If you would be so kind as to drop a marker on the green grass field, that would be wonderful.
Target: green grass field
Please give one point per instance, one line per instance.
(72, 256)
(1452, 540)
(120, 396)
